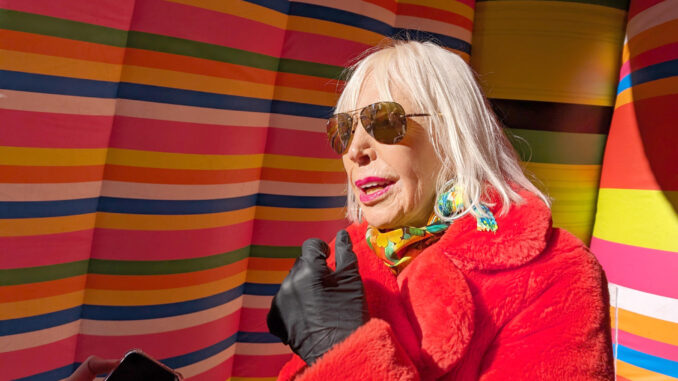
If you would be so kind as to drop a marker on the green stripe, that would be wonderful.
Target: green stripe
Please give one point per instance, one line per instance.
(56, 27)
(618, 4)
(51, 26)
(10, 277)
(258, 251)
(558, 147)
(177, 266)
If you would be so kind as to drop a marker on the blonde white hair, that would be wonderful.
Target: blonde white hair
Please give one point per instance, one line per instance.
(467, 137)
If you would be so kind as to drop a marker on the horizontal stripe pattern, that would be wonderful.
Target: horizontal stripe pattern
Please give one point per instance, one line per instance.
(157, 178)
(636, 228)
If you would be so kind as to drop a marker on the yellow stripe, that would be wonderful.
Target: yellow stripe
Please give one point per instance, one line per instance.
(241, 9)
(301, 214)
(445, 5)
(635, 373)
(46, 225)
(40, 306)
(644, 218)
(640, 325)
(332, 29)
(548, 50)
(173, 222)
(652, 89)
(29, 156)
(564, 175)
(269, 277)
(171, 295)
(59, 66)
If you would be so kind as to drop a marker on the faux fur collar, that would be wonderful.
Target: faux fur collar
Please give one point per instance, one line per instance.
(433, 288)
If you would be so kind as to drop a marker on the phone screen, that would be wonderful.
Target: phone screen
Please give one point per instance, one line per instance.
(137, 367)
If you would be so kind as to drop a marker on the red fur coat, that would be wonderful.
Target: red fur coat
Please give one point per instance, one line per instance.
(525, 303)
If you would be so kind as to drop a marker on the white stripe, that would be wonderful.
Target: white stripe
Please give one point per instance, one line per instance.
(643, 303)
(655, 15)
(261, 349)
(257, 301)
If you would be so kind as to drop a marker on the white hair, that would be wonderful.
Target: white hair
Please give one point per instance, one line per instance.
(468, 139)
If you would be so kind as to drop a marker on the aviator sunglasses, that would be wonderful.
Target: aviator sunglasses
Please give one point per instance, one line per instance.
(386, 122)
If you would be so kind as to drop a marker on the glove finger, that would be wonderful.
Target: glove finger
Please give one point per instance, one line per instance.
(343, 251)
(275, 323)
(314, 252)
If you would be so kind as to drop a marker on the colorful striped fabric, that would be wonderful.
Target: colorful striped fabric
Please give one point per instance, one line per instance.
(636, 231)
(549, 68)
(160, 164)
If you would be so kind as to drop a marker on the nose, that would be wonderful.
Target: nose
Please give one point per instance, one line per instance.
(362, 148)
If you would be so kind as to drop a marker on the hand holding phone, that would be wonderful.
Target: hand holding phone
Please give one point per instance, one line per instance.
(138, 366)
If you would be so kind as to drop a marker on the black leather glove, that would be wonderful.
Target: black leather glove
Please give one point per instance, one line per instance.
(316, 308)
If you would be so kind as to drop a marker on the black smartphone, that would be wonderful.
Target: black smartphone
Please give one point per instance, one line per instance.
(138, 366)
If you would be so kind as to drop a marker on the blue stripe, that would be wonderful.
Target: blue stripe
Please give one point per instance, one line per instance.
(261, 289)
(281, 6)
(51, 375)
(35, 209)
(257, 337)
(199, 355)
(649, 362)
(158, 310)
(647, 74)
(34, 323)
(13, 80)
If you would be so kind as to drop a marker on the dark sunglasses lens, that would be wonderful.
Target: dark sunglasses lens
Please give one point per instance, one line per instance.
(385, 121)
(339, 132)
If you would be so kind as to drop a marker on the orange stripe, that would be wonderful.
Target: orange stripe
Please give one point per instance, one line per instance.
(158, 282)
(272, 264)
(657, 36)
(61, 47)
(297, 176)
(42, 289)
(34, 174)
(179, 176)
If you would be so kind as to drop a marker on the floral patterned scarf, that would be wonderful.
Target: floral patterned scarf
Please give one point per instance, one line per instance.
(398, 247)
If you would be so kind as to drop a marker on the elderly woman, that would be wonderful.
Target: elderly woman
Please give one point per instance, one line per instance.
(450, 269)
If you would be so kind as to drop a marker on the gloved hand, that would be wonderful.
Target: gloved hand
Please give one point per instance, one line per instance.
(316, 308)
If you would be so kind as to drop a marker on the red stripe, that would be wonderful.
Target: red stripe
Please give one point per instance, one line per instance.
(405, 9)
(299, 143)
(648, 270)
(184, 137)
(203, 25)
(638, 155)
(648, 58)
(109, 13)
(52, 130)
(45, 250)
(259, 366)
(648, 346)
(135, 245)
(638, 6)
(186, 340)
(30, 361)
(253, 319)
(386, 4)
(326, 50)
(292, 233)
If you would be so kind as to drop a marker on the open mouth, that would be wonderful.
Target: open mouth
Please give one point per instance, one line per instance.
(373, 187)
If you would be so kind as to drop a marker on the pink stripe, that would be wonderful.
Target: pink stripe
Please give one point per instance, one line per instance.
(183, 137)
(639, 268)
(219, 372)
(160, 345)
(110, 13)
(287, 142)
(152, 245)
(45, 250)
(253, 319)
(645, 345)
(40, 359)
(292, 233)
(327, 50)
(197, 24)
(651, 57)
(46, 129)
(259, 366)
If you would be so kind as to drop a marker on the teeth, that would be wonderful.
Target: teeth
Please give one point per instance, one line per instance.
(373, 184)
(373, 189)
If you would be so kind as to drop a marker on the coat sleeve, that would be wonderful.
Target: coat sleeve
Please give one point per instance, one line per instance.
(563, 333)
(372, 352)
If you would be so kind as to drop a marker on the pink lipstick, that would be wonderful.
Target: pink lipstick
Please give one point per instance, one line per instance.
(372, 188)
